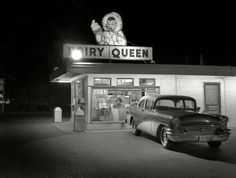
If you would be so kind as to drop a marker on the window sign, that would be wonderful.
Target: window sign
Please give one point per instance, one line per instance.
(147, 82)
(102, 81)
(125, 82)
(97, 92)
(152, 90)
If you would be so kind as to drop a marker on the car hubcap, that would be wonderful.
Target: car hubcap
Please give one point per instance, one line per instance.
(164, 137)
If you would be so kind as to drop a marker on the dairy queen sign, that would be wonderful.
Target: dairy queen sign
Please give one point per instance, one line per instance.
(108, 52)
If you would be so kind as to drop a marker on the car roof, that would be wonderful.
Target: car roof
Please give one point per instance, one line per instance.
(156, 96)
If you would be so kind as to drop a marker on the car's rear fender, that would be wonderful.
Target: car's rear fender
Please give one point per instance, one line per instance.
(144, 125)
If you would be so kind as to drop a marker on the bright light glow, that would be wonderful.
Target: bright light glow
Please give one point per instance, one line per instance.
(64, 81)
(76, 54)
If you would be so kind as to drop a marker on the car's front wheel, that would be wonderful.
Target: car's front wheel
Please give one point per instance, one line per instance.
(135, 130)
(166, 143)
(214, 144)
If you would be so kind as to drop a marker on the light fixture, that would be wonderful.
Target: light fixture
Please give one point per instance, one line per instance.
(76, 54)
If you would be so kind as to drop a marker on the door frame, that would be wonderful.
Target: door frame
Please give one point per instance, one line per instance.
(219, 93)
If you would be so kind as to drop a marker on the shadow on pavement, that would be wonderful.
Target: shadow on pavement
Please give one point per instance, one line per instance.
(226, 153)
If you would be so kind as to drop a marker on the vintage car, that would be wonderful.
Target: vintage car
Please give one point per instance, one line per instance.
(174, 119)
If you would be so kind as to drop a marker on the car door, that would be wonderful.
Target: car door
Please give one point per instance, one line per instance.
(145, 121)
(152, 115)
(158, 117)
(138, 111)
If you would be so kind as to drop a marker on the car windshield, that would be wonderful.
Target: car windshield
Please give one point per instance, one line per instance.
(175, 103)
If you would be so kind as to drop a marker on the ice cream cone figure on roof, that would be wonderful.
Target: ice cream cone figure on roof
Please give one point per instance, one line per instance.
(111, 33)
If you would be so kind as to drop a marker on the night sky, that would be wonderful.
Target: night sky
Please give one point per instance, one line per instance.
(32, 33)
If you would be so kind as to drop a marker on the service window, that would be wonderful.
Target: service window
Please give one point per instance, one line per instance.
(147, 82)
(125, 82)
(149, 104)
(102, 81)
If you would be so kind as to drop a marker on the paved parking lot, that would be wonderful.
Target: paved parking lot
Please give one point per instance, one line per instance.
(34, 147)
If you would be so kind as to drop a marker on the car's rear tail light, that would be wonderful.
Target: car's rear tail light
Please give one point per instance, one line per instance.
(224, 120)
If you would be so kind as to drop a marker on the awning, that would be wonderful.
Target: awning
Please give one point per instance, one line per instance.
(73, 70)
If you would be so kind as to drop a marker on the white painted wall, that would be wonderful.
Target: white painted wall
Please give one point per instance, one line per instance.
(189, 85)
(230, 90)
(167, 84)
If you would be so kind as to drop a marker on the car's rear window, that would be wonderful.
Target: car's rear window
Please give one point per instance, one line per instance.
(149, 104)
(169, 103)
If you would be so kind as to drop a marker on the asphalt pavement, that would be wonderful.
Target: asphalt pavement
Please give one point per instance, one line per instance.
(33, 146)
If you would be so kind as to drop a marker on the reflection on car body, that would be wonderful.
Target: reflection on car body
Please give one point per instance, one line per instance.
(173, 118)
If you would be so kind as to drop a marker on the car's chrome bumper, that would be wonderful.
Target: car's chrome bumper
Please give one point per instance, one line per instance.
(185, 137)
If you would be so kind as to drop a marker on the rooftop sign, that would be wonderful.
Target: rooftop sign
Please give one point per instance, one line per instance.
(109, 52)
(111, 43)
(111, 31)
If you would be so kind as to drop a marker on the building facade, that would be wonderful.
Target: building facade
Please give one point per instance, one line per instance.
(106, 91)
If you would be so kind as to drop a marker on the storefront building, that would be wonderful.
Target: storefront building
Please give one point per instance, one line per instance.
(106, 91)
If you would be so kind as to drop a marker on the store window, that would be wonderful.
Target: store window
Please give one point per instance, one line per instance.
(125, 81)
(102, 81)
(113, 104)
(147, 82)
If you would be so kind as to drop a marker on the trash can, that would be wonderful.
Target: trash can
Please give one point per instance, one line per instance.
(79, 120)
(57, 115)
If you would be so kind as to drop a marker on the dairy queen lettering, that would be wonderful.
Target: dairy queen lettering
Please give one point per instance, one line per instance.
(109, 52)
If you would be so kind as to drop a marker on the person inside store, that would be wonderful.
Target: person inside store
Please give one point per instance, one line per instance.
(120, 107)
(107, 109)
